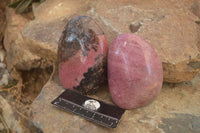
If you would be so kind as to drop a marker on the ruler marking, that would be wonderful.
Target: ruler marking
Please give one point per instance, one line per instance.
(111, 124)
(93, 116)
(87, 113)
(67, 101)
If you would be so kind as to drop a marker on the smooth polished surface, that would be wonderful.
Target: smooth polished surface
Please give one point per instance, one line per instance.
(135, 71)
(82, 55)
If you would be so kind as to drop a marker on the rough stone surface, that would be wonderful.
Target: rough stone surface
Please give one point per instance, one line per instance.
(173, 102)
(30, 72)
(196, 8)
(8, 114)
(42, 37)
(169, 26)
(173, 49)
(18, 54)
(82, 55)
(2, 21)
(135, 72)
(181, 123)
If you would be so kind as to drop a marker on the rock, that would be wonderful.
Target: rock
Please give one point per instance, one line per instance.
(82, 53)
(176, 64)
(173, 99)
(2, 21)
(39, 43)
(4, 77)
(2, 55)
(181, 123)
(12, 119)
(164, 25)
(51, 10)
(165, 30)
(8, 114)
(2, 127)
(29, 74)
(135, 72)
(196, 8)
(18, 55)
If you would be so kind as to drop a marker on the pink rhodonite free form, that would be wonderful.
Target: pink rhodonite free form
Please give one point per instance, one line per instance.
(82, 53)
(135, 71)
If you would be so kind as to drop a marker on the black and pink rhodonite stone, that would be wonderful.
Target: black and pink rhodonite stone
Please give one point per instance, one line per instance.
(82, 55)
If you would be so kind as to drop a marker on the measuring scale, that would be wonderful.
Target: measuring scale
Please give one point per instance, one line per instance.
(89, 108)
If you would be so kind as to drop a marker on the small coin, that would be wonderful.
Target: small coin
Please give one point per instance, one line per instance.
(91, 104)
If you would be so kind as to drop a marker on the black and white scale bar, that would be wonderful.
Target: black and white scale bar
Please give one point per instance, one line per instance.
(99, 112)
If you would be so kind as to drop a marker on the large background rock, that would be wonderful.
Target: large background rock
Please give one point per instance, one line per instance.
(171, 29)
(169, 26)
(31, 46)
(177, 104)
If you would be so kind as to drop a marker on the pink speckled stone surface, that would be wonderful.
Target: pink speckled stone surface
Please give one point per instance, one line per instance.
(135, 71)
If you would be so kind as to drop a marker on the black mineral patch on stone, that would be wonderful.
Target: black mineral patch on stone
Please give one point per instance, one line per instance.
(80, 34)
(94, 78)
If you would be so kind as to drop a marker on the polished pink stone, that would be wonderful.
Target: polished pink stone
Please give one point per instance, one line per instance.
(82, 53)
(135, 71)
